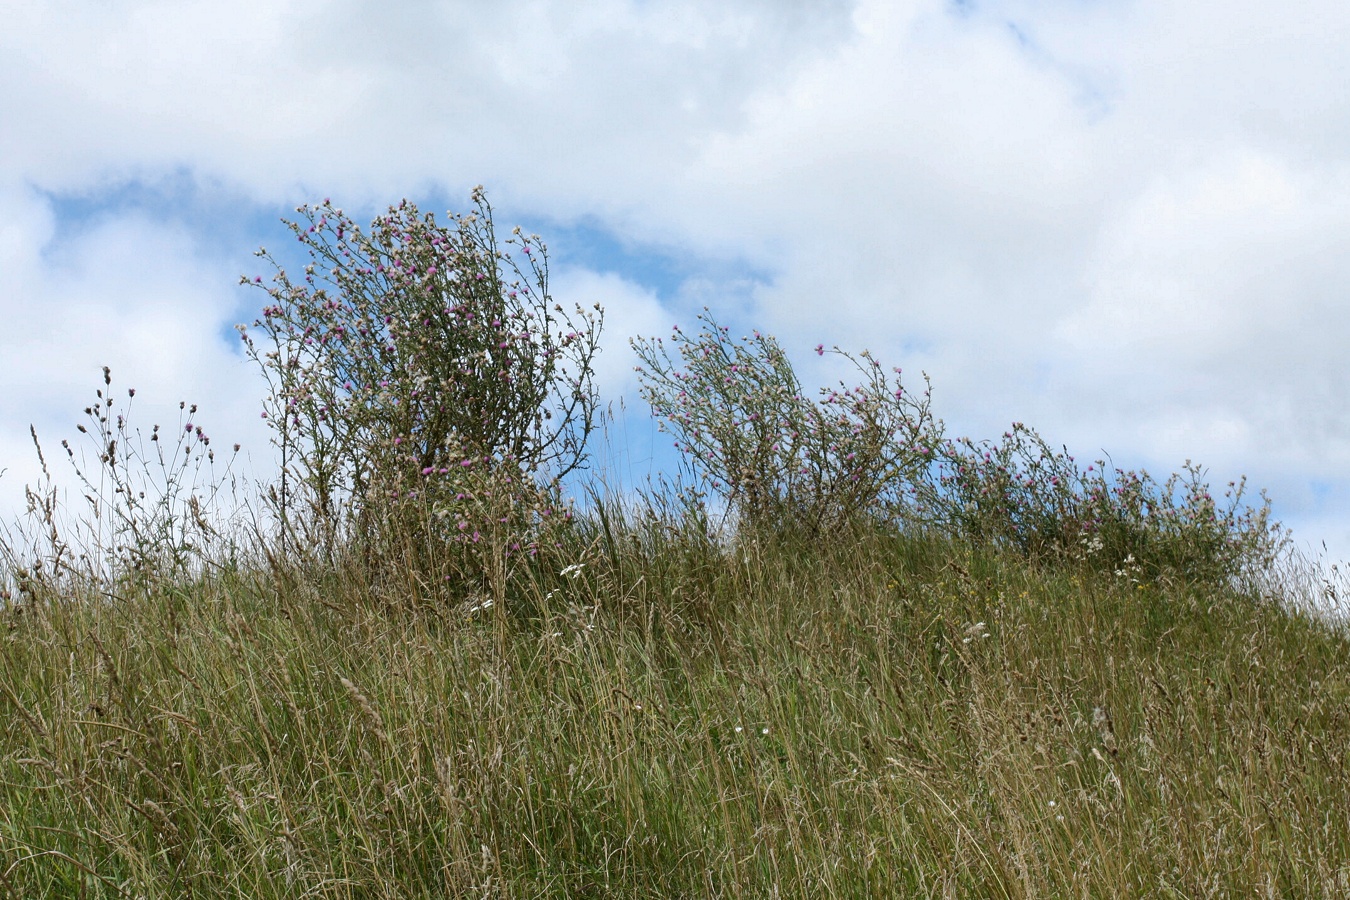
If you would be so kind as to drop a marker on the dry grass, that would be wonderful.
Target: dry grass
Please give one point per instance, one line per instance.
(887, 716)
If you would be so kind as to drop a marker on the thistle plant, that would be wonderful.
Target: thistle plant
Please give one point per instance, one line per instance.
(747, 432)
(746, 429)
(477, 522)
(1020, 493)
(413, 356)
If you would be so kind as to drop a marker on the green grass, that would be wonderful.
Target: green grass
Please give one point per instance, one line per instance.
(777, 719)
(1039, 680)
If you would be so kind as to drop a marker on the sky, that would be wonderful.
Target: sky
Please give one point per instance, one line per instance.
(1123, 223)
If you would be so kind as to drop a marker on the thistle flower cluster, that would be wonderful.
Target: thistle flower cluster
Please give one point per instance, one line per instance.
(1020, 492)
(486, 506)
(744, 426)
(414, 358)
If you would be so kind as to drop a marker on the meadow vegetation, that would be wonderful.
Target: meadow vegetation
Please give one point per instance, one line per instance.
(839, 653)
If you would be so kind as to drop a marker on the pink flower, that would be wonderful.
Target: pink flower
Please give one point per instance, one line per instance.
(820, 349)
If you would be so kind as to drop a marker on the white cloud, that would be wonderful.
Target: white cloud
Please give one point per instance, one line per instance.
(1214, 308)
(629, 310)
(124, 292)
(342, 97)
(1122, 223)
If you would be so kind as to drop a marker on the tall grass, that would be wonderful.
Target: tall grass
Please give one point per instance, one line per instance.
(901, 666)
(880, 714)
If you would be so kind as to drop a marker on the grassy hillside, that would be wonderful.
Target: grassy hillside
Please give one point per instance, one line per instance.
(879, 715)
(904, 665)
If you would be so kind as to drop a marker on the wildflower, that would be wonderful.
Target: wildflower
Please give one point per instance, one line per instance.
(978, 630)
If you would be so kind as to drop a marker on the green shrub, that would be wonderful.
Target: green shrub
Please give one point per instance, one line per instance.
(421, 375)
(1020, 493)
(746, 429)
(875, 453)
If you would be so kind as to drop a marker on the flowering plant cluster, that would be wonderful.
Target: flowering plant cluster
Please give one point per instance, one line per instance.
(1020, 492)
(746, 429)
(417, 362)
(150, 506)
(488, 509)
